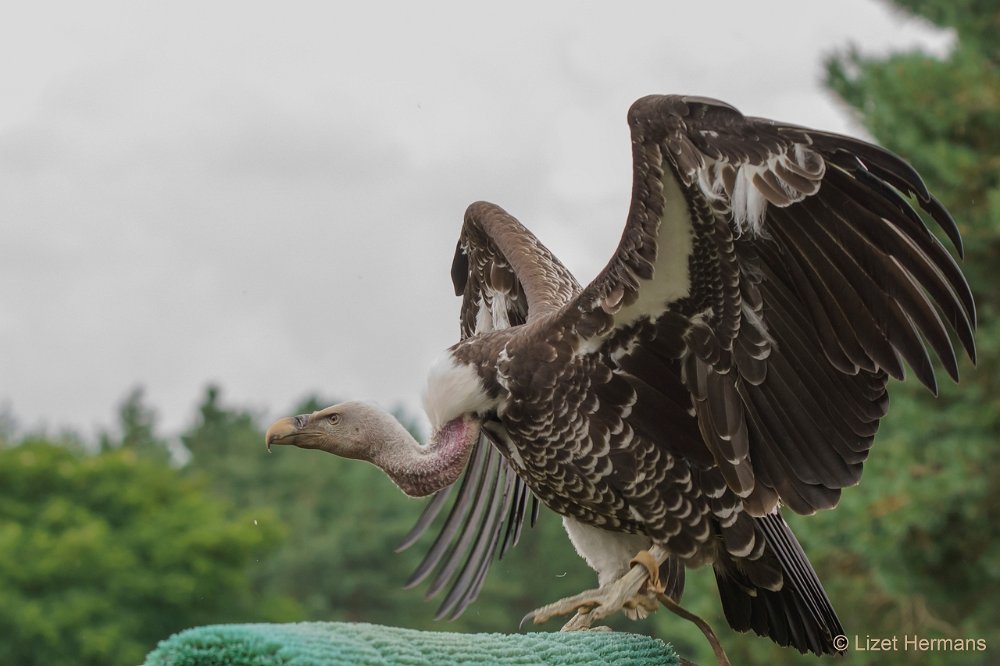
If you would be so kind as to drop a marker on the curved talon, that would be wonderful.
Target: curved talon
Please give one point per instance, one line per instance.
(529, 616)
(578, 603)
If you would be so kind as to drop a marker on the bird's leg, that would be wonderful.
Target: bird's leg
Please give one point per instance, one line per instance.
(636, 589)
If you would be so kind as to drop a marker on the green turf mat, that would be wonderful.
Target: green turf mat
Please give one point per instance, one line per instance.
(340, 643)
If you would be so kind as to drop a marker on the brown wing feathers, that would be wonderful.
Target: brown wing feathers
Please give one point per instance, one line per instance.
(839, 272)
(503, 258)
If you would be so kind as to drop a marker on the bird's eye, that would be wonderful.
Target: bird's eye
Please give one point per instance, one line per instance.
(334, 419)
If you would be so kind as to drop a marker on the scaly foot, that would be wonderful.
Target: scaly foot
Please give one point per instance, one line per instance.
(636, 591)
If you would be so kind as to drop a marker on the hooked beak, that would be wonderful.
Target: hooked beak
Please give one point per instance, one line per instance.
(283, 431)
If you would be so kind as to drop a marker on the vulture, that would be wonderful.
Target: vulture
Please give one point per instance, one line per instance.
(730, 362)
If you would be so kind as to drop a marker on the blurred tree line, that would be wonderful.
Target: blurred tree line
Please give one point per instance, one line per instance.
(108, 546)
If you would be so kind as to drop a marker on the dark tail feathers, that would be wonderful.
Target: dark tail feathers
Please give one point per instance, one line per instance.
(799, 614)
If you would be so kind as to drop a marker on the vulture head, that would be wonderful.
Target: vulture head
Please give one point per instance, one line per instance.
(342, 430)
(361, 431)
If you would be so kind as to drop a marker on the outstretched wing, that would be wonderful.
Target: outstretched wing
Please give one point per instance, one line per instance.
(779, 274)
(504, 274)
(490, 505)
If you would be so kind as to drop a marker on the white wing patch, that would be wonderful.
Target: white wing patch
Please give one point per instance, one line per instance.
(675, 242)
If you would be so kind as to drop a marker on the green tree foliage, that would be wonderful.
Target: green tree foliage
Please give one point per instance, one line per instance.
(934, 540)
(137, 426)
(105, 554)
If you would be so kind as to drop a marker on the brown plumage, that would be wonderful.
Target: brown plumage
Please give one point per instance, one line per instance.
(731, 359)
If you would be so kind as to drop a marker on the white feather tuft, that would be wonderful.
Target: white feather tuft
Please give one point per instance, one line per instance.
(748, 204)
(499, 310)
(484, 319)
(710, 180)
(453, 389)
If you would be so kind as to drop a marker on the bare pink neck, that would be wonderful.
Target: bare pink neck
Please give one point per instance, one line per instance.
(422, 470)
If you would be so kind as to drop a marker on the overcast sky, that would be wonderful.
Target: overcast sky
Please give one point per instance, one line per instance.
(267, 195)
